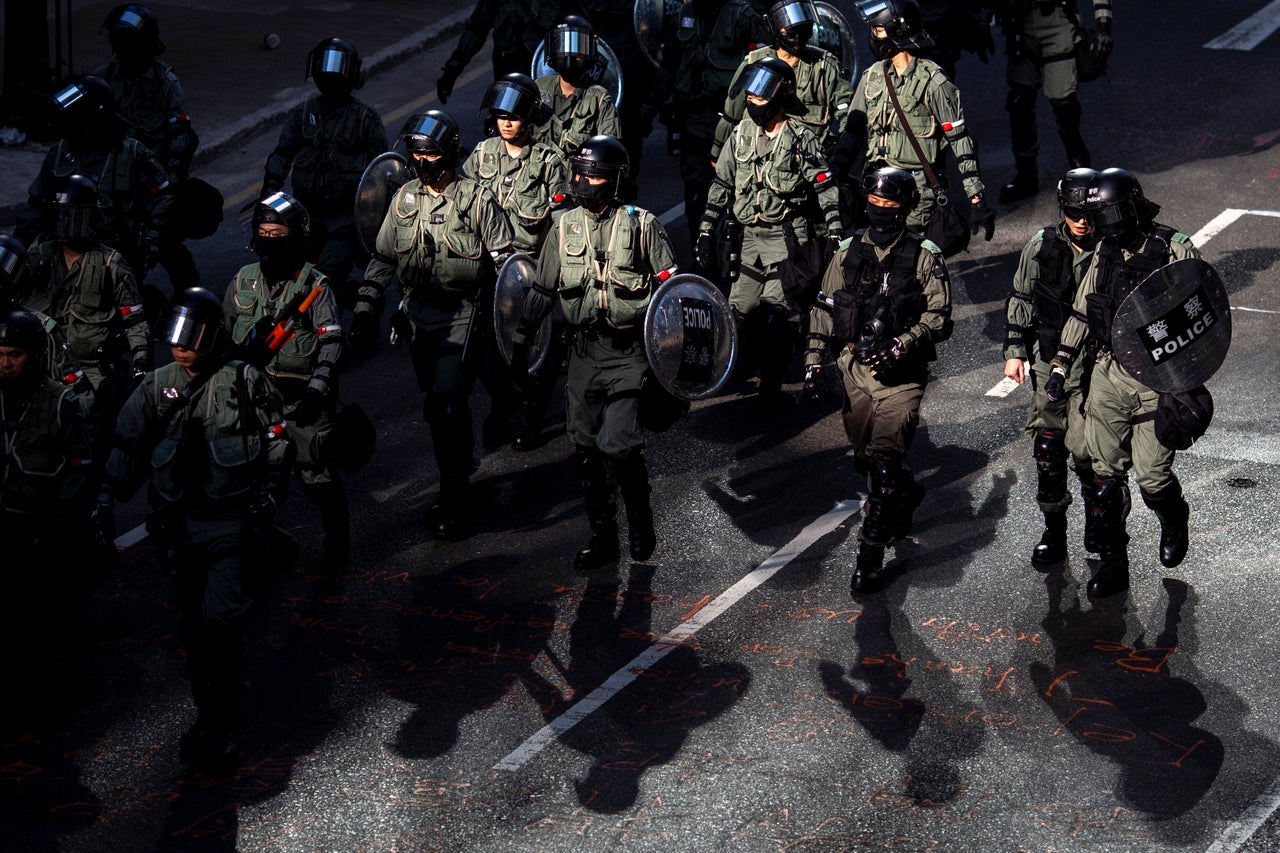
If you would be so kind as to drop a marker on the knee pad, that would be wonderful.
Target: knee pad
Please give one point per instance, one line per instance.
(1050, 454)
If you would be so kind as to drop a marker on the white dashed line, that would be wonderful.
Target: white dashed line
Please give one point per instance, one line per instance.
(1250, 32)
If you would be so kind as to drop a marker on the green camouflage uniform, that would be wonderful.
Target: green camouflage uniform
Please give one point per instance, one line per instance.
(153, 104)
(588, 112)
(524, 185)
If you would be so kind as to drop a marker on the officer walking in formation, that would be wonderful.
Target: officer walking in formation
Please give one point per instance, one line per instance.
(701, 50)
(303, 368)
(886, 304)
(575, 108)
(602, 259)
(47, 483)
(930, 102)
(151, 101)
(772, 178)
(517, 25)
(439, 240)
(95, 300)
(208, 433)
(527, 178)
(1050, 269)
(1041, 38)
(327, 142)
(1119, 429)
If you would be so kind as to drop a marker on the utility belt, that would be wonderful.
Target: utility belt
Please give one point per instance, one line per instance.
(602, 331)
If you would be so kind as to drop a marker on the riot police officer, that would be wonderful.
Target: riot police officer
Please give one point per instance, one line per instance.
(94, 298)
(770, 175)
(151, 101)
(208, 433)
(822, 90)
(517, 25)
(438, 241)
(303, 367)
(931, 103)
(1041, 40)
(1050, 269)
(602, 260)
(1119, 429)
(886, 304)
(133, 186)
(530, 180)
(575, 108)
(326, 143)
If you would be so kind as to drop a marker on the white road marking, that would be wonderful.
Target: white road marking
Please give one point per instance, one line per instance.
(1216, 225)
(681, 634)
(1235, 308)
(1239, 831)
(1250, 32)
(671, 215)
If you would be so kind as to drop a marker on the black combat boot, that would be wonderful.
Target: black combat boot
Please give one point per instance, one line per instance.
(1025, 183)
(1052, 548)
(1088, 495)
(448, 518)
(602, 511)
(331, 499)
(1067, 113)
(633, 481)
(868, 570)
(212, 745)
(1171, 508)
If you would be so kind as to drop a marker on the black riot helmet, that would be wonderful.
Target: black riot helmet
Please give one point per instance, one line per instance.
(512, 94)
(75, 211)
(335, 66)
(771, 79)
(195, 322)
(599, 157)
(1116, 207)
(15, 272)
(433, 132)
(280, 257)
(572, 49)
(892, 184)
(85, 109)
(1073, 188)
(903, 24)
(134, 33)
(22, 329)
(792, 22)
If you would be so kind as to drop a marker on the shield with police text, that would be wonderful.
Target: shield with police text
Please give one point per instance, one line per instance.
(515, 280)
(378, 185)
(834, 34)
(651, 19)
(1173, 331)
(689, 337)
(607, 71)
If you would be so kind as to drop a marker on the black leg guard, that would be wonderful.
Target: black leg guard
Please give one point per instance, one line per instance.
(633, 482)
(1172, 510)
(1113, 569)
(1052, 548)
(1067, 113)
(912, 497)
(777, 350)
(1092, 524)
(1021, 106)
(1050, 454)
(331, 499)
(868, 571)
(211, 745)
(453, 441)
(885, 498)
(602, 510)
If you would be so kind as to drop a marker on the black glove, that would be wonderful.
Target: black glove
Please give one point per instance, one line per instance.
(449, 76)
(1105, 42)
(704, 250)
(103, 519)
(309, 407)
(520, 366)
(885, 356)
(814, 388)
(983, 219)
(140, 369)
(364, 330)
(1056, 388)
(401, 328)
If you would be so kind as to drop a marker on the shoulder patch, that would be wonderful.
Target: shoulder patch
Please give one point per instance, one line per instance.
(926, 243)
(1179, 237)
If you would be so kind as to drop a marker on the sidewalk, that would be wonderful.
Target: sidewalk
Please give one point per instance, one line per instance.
(235, 85)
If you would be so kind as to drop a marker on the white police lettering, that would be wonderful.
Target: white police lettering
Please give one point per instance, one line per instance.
(696, 318)
(1195, 330)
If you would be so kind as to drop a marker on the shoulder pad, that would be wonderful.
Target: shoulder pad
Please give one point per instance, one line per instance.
(932, 247)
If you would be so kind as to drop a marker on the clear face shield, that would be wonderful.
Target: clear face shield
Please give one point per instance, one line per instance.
(507, 99)
(189, 331)
(334, 61)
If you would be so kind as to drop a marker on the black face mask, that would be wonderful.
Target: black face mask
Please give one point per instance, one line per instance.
(886, 222)
(334, 87)
(761, 114)
(430, 172)
(574, 70)
(594, 198)
(278, 256)
(881, 48)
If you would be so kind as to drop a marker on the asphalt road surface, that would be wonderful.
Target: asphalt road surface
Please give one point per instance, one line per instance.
(729, 694)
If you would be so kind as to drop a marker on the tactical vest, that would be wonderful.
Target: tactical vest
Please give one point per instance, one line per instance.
(145, 101)
(87, 311)
(708, 56)
(768, 188)
(334, 150)
(609, 282)
(297, 358)
(1118, 277)
(213, 449)
(576, 121)
(113, 173)
(35, 461)
(525, 193)
(886, 289)
(813, 88)
(1054, 290)
(887, 141)
(439, 257)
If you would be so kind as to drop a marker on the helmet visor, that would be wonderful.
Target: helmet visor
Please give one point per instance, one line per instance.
(73, 221)
(129, 20)
(188, 331)
(763, 82)
(870, 10)
(507, 99)
(281, 208)
(13, 265)
(69, 96)
(793, 14)
(1111, 218)
(573, 42)
(333, 60)
(428, 135)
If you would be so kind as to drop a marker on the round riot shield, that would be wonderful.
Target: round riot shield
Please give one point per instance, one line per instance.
(689, 337)
(1173, 331)
(834, 34)
(651, 18)
(515, 280)
(378, 185)
(607, 73)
